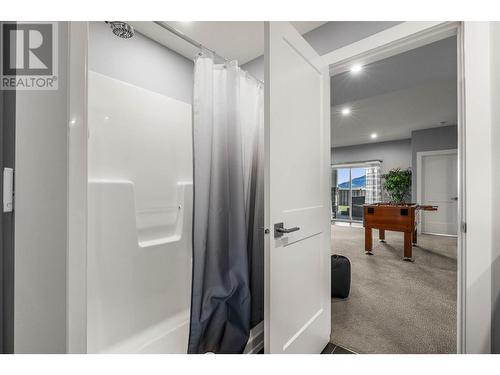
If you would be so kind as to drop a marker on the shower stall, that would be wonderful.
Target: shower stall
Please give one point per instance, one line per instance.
(139, 219)
(140, 201)
(140, 192)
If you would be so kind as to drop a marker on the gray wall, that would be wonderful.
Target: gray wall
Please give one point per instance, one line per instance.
(327, 38)
(402, 153)
(394, 154)
(141, 62)
(41, 214)
(338, 34)
(7, 140)
(433, 139)
(255, 67)
(495, 136)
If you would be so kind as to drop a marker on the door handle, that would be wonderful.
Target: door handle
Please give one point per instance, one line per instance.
(454, 198)
(279, 230)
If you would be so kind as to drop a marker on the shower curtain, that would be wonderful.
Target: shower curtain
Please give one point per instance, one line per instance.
(228, 205)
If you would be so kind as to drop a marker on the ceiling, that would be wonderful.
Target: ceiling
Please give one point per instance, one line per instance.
(396, 114)
(242, 41)
(392, 97)
(433, 62)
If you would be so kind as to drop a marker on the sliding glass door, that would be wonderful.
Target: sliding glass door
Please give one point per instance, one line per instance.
(352, 187)
(341, 194)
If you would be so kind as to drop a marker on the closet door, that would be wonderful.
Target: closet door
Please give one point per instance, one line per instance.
(297, 195)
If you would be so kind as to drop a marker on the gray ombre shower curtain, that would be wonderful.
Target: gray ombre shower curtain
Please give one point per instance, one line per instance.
(227, 128)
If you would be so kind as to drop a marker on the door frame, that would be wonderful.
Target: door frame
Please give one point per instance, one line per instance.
(398, 39)
(76, 270)
(7, 160)
(420, 156)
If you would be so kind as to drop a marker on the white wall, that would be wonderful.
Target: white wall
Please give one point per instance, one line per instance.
(495, 146)
(41, 215)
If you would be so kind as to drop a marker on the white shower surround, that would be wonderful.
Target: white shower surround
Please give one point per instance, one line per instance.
(139, 219)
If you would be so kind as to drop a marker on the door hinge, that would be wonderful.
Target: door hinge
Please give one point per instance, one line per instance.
(463, 227)
(8, 189)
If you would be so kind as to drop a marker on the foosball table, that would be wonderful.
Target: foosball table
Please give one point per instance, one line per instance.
(393, 217)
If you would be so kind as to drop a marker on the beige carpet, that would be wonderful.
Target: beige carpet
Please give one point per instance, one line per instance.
(396, 306)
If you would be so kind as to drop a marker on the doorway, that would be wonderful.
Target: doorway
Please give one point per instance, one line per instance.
(405, 115)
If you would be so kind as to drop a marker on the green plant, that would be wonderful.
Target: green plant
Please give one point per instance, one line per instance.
(397, 183)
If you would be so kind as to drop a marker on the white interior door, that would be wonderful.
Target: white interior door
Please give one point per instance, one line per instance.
(439, 183)
(297, 306)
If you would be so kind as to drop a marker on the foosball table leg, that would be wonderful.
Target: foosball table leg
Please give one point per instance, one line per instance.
(368, 241)
(414, 237)
(381, 235)
(407, 247)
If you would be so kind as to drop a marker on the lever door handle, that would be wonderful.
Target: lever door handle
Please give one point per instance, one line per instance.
(279, 230)
(288, 230)
(454, 198)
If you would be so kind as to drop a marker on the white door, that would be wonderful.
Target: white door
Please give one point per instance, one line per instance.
(439, 183)
(297, 309)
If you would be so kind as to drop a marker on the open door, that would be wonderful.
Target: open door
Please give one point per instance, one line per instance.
(297, 199)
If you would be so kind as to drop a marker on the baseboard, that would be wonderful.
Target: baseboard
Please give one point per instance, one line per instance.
(256, 340)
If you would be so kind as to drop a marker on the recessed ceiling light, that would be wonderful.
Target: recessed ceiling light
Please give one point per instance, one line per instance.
(373, 135)
(356, 68)
(346, 111)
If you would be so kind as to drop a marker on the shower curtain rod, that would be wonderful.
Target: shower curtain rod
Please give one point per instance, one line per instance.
(197, 44)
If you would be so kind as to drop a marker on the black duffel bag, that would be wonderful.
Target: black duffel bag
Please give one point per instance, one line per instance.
(341, 276)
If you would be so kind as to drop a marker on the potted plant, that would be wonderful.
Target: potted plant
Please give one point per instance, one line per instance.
(397, 183)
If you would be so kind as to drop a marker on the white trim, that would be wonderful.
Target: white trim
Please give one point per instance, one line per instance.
(461, 208)
(360, 164)
(477, 158)
(441, 235)
(399, 39)
(389, 42)
(76, 267)
(420, 155)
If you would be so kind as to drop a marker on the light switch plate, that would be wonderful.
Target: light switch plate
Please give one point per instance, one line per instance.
(8, 189)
